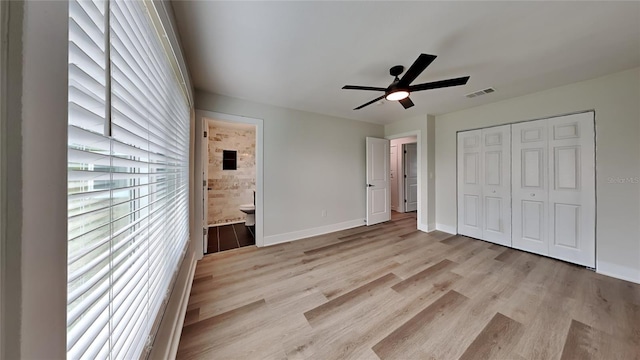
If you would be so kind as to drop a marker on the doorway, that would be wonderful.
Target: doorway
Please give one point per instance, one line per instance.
(407, 188)
(404, 174)
(231, 183)
(228, 221)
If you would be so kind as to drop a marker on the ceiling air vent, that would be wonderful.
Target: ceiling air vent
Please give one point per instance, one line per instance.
(488, 90)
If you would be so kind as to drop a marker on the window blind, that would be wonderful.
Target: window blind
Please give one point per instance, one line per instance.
(128, 154)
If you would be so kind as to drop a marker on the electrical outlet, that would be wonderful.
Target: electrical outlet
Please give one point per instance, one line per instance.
(324, 213)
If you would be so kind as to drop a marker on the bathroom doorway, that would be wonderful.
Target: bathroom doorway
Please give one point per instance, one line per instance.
(231, 184)
(230, 155)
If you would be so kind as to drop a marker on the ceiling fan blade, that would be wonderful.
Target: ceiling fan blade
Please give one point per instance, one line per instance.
(440, 84)
(370, 102)
(356, 87)
(406, 102)
(417, 68)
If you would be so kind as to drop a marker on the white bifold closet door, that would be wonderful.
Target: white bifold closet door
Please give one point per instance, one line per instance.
(554, 187)
(484, 184)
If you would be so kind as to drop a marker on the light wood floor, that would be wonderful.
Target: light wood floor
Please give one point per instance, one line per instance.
(391, 292)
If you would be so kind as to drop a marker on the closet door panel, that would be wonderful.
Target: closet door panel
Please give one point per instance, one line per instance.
(529, 186)
(496, 188)
(470, 184)
(571, 205)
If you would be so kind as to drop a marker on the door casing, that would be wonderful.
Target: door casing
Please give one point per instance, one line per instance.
(422, 226)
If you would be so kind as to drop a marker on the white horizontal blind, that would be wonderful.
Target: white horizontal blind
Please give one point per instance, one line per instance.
(128, 178)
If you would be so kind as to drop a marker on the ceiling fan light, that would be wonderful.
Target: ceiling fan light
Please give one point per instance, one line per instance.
(397, 95)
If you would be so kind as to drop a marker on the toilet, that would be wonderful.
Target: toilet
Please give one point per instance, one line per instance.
(250, 210)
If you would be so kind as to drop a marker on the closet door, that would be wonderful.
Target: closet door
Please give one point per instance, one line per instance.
(469, 184)
(496, 184)
(572, 188)
(529, 185)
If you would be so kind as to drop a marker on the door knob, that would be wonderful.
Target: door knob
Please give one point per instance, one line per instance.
(369, 185)
(494, 191)
(533, 194)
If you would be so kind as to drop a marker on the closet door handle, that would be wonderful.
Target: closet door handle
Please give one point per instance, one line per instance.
(533, 194)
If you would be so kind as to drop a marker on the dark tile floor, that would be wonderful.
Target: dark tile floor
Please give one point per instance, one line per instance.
(227, 237)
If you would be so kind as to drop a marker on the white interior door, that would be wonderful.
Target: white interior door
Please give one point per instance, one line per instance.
(394, 177)
(529, 183)
(571, 204)
(411, 177)
(496, 184)
(469, 184)
(378, 184)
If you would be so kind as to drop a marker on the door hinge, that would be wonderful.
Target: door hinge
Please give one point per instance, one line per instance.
(405, 176)
(405, 151)
(204, 182)
(205, 134)
(204, 231)
(405, 200)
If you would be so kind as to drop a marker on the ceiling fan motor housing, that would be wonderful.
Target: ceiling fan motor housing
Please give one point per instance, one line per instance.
(396, 70)
(394, 87)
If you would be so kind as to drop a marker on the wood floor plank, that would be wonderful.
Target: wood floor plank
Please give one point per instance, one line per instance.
(584, 342)
(391, 291)
(455, 240)
(450, 340)
(416, 279)
(392, 316)
(200, 326)
(393, 345)
(508, 255)
(352, 296)
(496, 340)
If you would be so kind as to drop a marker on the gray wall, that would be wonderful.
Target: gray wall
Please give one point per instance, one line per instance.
(35, 306)
(615, 99)
(311, 163)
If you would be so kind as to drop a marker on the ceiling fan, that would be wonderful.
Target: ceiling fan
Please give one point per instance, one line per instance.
(401, 88)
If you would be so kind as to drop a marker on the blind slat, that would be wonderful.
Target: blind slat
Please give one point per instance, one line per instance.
(128, 215)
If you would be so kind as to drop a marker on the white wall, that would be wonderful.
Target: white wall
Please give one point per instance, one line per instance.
(425, 125)
(615, 99)
(36, 186)
(311, 163)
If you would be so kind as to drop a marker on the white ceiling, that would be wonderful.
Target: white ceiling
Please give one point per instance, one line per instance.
(299, 54)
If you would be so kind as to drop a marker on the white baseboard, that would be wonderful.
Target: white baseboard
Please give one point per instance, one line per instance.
(446, 228)
(431, 227)
(422, 227)
(303, 234)
(618, 272)
(165, 344)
